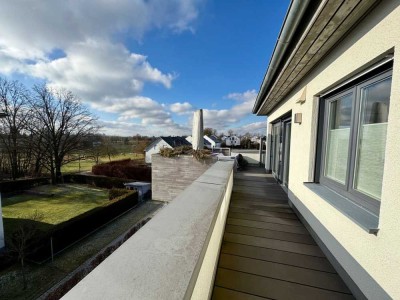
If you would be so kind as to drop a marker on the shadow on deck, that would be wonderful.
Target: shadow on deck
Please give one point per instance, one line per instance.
(266, 251)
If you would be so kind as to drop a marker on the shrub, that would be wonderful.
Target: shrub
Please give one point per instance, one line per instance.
(127, 168)
(185, 150)
(115, 193)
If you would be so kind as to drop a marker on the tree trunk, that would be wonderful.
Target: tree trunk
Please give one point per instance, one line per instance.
(58, 172)
(24, 281)
(53, 174)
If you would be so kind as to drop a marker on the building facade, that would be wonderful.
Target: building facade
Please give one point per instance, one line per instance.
(232, 141)
(332, 94)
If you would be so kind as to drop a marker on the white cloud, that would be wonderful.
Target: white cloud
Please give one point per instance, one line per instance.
(184, 108)
(77, 45)
(255, 128)
(95, 64)
(150, 112)
(130, 129)
(97, 70)
(246, 96)
(31, 31)
(223, 118)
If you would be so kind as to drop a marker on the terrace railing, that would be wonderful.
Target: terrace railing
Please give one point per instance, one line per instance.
(175, 255)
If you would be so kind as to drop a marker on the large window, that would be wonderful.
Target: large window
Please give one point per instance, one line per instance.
(354, 139)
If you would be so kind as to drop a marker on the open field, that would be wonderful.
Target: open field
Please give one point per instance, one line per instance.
(55, 204)
(87, 164)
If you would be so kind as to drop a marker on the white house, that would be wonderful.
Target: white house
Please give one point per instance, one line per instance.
(213, 141)
(164, 142)
(207, 144)
(232, 141)
(332, 98)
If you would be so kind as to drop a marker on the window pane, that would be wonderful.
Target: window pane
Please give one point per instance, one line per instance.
(276, 154)
(371, 143)
(338, 135)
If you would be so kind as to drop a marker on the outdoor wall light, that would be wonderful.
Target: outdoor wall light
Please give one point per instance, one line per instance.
(298, 118)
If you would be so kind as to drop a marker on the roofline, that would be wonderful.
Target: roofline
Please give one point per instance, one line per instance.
(151, 144)
(292, 20)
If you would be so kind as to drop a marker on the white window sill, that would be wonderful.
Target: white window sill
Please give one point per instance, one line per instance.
(359, 215)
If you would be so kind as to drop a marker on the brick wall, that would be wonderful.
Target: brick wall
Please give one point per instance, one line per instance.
(170, 176)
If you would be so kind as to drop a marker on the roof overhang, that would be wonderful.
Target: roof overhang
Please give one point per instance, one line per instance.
(327, 23)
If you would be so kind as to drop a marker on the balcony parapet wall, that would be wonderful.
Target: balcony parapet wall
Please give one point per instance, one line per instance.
(171, 175)
(174, 256)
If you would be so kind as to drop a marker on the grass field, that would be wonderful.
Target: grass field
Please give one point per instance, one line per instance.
(54, 204)
(87, 164)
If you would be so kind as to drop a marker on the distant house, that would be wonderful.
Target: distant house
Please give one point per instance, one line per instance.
(214, 141)
(232, 141)
(164, 142)
(207, 144)
(255, 139)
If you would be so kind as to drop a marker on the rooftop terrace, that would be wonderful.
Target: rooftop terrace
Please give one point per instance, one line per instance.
(195, 249)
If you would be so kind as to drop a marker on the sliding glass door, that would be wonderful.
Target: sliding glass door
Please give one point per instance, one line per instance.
(280, 149)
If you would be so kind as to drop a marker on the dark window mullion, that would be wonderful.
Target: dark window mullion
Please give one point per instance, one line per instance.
(353, 138)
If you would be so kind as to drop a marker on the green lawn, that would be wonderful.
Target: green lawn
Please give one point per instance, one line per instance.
(55, 204)
(87, 164)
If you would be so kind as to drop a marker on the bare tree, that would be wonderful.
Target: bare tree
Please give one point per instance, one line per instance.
(22, 238)
(210, 131)
(108, 147)
(62, 123)
(13, 127)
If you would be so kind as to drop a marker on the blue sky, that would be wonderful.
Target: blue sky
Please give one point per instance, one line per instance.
(145, 66)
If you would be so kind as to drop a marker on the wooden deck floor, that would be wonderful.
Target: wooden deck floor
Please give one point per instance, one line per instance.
(266, 252)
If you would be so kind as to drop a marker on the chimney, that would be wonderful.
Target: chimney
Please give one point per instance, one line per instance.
(197, 130)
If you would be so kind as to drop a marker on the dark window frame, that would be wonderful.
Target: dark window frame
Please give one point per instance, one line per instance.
(372, 205)
(278, 123)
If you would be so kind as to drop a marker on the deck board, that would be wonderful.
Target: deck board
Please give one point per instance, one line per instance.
(268, 219)
(266, 252)
(273, 234)
(266, 225)
(272, 288)
(259, 212)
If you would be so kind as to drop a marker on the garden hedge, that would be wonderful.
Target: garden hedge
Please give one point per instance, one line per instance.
(68, 232)
(127, 168)
(22, 184)
(97, 181)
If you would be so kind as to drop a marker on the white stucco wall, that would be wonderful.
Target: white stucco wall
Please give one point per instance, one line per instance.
(155, 150)
(361, 254)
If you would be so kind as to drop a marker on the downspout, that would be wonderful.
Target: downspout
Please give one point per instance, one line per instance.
(293, 16)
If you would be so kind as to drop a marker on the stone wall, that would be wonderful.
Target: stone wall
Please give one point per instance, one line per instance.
(170, 176)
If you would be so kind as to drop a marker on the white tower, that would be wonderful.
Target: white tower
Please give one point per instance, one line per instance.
(197, 130)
